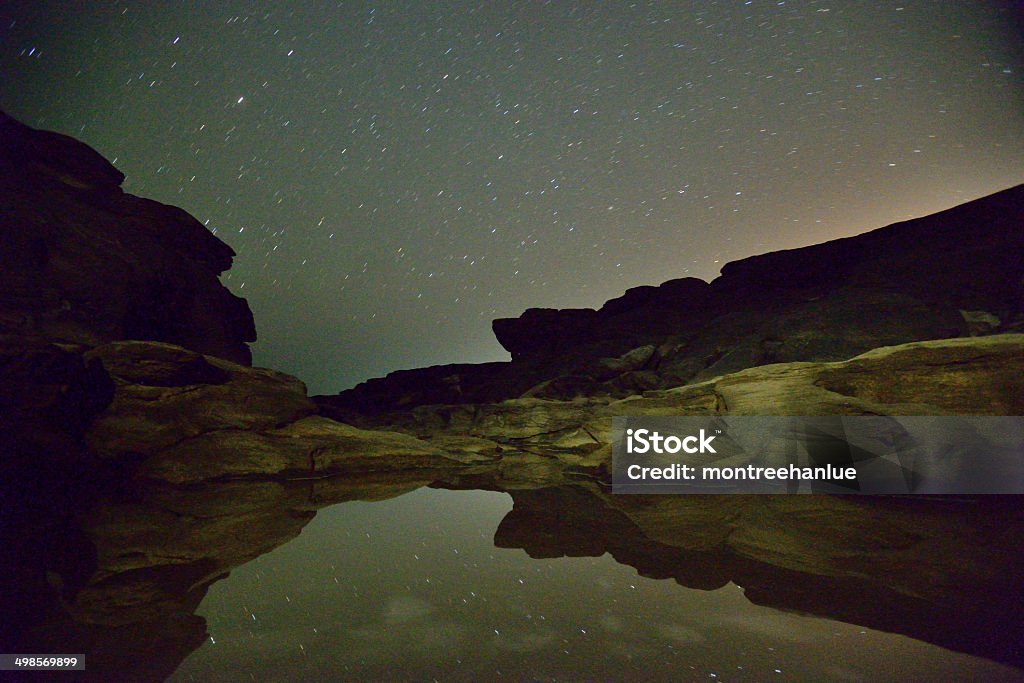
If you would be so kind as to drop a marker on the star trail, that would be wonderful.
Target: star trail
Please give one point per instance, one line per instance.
(395, 175)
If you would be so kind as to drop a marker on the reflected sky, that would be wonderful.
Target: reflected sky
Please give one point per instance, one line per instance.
(414, 588)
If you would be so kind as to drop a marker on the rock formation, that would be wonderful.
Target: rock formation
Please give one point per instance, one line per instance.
(180, 417)
(968, 376)
(142, 458)
(124, 369)
(86, 263)
(122, 355)
(956, 273)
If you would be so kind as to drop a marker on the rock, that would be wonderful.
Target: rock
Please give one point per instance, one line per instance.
(405, 389)
(980, 322)
(642, 313)
(160, 365)
(634, 382)
(636, 359)
(469, 449)
(965, 376)
(181, 417)
(545, 330)
(86, 263)
(969, 254)
(309, 448)
(567, 387)
(49, 395)
(911, 281)
(845, 322)
(525, 423)
(671, 299)
(153, 409)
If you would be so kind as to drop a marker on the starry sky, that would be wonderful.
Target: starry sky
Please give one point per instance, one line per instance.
(395, 175)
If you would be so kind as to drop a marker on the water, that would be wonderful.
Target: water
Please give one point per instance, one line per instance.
(414, 588)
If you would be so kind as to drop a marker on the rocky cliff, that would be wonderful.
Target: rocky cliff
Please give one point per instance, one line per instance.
(956, 273)
(121, 354)
(84, 262)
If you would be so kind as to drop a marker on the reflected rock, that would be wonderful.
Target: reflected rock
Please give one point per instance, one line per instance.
(945, 572)
(123, 581)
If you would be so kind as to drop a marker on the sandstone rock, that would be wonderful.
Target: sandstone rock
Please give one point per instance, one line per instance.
(980, 322)
(447, 384)
(567, 386)
(630, 361)
(308, 448)
(963, 376)
(153, 407)
(634, 382)
(526, 422)
(181, 417)
(667, 299)
(966, 376)
(545, 330)
(838, 325)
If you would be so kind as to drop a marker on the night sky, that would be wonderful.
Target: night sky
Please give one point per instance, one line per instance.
(394, 175)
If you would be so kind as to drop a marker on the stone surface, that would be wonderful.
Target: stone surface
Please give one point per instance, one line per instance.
(963, 376)
(309, 448)
(181, 417)
(149, 413)
(86, 263)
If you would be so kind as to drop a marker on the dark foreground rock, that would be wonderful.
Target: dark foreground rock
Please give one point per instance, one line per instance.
(83, 262)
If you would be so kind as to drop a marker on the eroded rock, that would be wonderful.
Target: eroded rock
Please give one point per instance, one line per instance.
(86, 263)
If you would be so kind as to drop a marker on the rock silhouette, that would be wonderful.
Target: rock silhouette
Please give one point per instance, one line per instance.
(86, 263)
(956, 273)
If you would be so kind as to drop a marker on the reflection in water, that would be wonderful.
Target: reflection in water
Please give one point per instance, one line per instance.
(435, 583)
(120, 580)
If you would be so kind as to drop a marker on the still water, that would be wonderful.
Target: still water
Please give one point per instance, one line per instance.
(414, 588)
